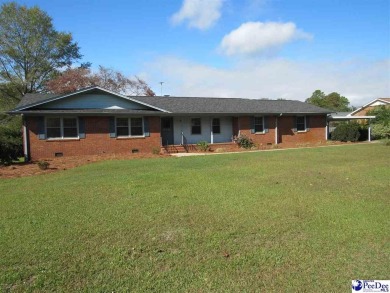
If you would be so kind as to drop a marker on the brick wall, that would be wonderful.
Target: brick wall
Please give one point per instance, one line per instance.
(363, 112)
(286, 135)
(316, 133)
(97, 140)
(258, 138)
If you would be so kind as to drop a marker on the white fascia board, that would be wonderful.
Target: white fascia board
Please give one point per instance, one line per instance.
(368, 104)
(351, 117)
(86, 90)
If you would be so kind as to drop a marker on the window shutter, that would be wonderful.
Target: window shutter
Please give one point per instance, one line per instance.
(146, 126)
(252, 124)
(266, 130)
(112, 127)
(295, 124)
(81, 127)
(307, 123)
(41, 127)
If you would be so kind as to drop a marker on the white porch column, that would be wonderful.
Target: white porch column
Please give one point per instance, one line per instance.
(369, 130)
(211, 131)
(276, 130)
(326, 130)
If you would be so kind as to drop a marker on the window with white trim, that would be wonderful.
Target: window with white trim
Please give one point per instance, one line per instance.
(216, 125)
(196, 127)
(129, 127)
(62, 127)
(301, 123)
(259, 124)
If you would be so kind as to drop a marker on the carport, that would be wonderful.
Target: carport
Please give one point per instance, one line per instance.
(345, 117)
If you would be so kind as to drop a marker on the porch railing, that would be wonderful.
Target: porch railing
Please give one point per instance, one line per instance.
(184, 142)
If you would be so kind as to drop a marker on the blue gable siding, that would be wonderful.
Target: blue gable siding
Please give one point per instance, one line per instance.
(93, 101)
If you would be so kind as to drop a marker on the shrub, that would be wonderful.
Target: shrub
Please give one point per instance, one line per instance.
(386, 142)
(203, 146)
(43, 165)
(11, 146)
(380, 130)
(155, 151)
(346, 132)
(363, 130)
(245, 142)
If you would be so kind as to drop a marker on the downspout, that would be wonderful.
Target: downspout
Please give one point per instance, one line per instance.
(276, 128)
(26, 149)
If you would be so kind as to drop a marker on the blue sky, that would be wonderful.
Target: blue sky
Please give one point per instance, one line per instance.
(231, 48)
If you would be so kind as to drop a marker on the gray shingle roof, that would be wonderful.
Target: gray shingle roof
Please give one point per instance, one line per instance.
(230, 105)
(191, 105)
(30, 99)
(90, 111)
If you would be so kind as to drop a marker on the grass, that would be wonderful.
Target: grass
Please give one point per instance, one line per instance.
(305, 220)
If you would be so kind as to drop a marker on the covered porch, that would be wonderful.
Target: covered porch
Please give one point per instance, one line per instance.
(185, 130)
(346, 118)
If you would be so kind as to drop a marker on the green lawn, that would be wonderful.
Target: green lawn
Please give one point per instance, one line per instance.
(305, 220)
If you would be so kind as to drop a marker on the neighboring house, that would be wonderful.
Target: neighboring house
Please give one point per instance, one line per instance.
(362, 111)
(94, 121)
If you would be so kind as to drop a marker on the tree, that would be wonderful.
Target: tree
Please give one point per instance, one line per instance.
(74, 79)
(381, 124)
(10, 142)
(333, 101)
(31, 50)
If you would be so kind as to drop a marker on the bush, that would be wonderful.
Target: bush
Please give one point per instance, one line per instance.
(203, 146)
(11, 145)
(245, 142)
(385, 142)
(43, 165)
(155, 151)
(380, 131)
(346, 132)
(363, 130)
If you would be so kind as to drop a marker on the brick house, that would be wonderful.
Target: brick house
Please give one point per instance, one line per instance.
(362, 111)
(95, 121)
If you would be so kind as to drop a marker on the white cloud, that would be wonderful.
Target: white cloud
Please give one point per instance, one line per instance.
(360, 81)
(257, 37)
(200, 14)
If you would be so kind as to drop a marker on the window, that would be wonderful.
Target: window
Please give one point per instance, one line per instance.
(196, 126)
(301, 123)
(259, 124)
(136, 126)
(216, 126)
(129, 127)
(61, 128)
(122, 127)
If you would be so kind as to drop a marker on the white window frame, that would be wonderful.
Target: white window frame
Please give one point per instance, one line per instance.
(129, 127)
(254, 124)
(304, 117)
(62, 128)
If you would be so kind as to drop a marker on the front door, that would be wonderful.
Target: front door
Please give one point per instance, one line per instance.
(167, 130)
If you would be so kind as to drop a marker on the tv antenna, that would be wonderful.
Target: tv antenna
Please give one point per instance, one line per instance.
(161, 83)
